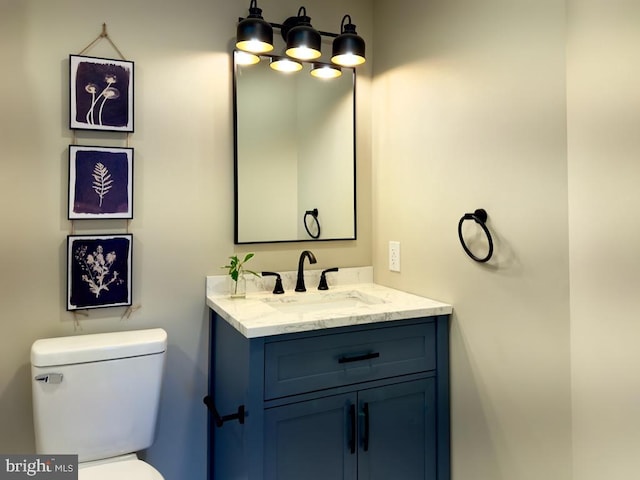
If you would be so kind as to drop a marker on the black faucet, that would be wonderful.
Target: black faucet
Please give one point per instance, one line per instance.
(300, 282)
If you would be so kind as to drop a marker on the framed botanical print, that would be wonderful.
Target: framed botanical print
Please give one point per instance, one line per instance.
(100, 182)
(101, 94)
(98, 271)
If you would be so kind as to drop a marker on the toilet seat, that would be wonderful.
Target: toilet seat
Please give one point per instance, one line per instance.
(128, 467)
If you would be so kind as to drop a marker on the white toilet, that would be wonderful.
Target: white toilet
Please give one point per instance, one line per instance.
(97, 396)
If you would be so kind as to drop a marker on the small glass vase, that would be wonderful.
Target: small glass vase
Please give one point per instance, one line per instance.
(238, 288)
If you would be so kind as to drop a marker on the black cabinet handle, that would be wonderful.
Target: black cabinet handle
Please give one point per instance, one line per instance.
(208, 401)
(352, 419)
(365, 439)
(358, 358)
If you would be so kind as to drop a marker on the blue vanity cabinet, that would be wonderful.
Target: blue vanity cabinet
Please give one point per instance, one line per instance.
(367, 402)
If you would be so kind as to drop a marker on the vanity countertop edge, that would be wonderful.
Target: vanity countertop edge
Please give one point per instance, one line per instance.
(254, 317)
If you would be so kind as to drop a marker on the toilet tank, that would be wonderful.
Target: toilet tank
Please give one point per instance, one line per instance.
(97, 395)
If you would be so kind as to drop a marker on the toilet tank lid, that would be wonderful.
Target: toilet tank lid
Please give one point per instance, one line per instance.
(97, 347)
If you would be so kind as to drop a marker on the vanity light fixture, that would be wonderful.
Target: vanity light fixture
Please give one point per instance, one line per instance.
(285, 65)
(255, 37)
(303, 41)
(254, 34)
(324, 70)
(348, 47)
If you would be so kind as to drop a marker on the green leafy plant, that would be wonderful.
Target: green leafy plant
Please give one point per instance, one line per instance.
(236, 268)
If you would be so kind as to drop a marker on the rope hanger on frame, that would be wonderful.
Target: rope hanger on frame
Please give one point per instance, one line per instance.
(102, 35)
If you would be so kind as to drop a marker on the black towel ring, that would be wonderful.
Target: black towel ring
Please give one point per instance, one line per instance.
(314, 214)
(480, 217)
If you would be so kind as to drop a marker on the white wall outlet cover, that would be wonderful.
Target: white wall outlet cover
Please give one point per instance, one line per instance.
(394, 256)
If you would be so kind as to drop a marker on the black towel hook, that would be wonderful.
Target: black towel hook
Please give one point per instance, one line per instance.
(480, 217)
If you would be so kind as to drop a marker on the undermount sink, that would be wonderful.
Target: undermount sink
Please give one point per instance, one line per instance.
(310, 302)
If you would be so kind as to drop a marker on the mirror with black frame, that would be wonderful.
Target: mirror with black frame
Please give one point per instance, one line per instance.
(294, 155)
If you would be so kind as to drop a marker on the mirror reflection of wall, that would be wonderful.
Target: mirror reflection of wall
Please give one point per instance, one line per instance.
(294, 152)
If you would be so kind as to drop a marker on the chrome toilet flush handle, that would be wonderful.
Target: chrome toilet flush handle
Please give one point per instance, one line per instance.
(49, 378)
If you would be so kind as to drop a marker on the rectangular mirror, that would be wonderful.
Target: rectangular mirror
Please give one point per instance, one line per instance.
(294, 155)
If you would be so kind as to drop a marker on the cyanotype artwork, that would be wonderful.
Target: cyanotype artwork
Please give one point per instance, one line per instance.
(99, 271)
(100, 182)
(101, 94)
(95, 87)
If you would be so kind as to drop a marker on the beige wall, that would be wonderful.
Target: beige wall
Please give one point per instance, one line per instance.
(604, 172)
(183, 196)
(527, 109)
(469, 112)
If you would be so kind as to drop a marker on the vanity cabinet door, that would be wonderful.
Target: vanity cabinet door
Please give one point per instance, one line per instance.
(383, 433)
(398, 432)
(312, 440)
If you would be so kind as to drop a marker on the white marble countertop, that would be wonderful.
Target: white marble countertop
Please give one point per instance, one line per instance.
(259, 315)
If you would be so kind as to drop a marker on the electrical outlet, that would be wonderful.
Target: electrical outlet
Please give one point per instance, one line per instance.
(394, 256)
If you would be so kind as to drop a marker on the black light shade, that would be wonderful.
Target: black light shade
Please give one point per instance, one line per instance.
(254, 34)
(348, 47)
(303, 41)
